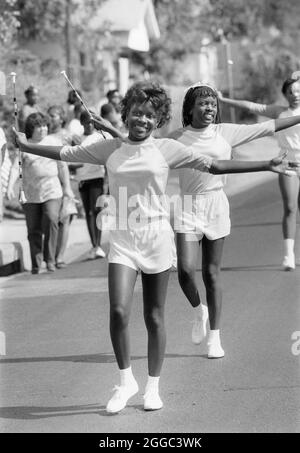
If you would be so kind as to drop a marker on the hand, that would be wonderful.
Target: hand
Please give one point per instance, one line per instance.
(19, 137)
(10, 193)
(68, 193)
(100, 123)
(76, 139)
(285, 167)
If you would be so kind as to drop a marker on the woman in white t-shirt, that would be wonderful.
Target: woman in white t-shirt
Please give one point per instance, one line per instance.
(142, 239)
(203, 213)
(289, 142)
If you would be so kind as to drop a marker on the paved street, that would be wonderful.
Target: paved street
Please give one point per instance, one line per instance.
(59, 368)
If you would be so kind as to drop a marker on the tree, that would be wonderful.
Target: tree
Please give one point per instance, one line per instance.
(8, 22)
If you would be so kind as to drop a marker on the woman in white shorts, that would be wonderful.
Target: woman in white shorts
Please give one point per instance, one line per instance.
(203, 212)
(143, 240)
(289, 143)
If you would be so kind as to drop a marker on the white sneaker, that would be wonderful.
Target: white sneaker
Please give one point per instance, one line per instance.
(99, 252)
(289, 263)
(215, 351)
(152, 401)
(119, 399)
(199, 329)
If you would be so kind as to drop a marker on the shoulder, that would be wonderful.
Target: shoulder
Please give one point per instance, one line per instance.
(177, 133)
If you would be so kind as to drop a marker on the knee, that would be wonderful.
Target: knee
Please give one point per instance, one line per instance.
(290, 209)
(154, 321)
(211, 275)
(185, 273)
(119, 317)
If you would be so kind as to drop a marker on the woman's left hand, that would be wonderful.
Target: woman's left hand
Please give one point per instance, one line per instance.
(19, 137)
(68, 193)
(285, 167)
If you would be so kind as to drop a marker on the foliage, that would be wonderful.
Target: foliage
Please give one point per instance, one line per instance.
(264, 73)
(8, 22)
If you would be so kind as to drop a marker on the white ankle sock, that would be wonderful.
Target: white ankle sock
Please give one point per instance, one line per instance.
(152, 383)
(126, 376)
(289, 247)
(214, 336)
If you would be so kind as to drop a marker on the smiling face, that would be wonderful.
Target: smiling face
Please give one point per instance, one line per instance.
(39, 133)
(204, 111)
(141, 121)
(292, 95)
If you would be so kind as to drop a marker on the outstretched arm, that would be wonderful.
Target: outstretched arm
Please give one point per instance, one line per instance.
(96, 153)
(269, 110)
(52, 152)
(277, 165)
(284, 123)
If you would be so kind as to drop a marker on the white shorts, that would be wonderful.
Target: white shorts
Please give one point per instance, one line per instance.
(150, 248)
(204, 214)
(292, 154)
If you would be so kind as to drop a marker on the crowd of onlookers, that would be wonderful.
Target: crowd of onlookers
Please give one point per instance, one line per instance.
(55, 191)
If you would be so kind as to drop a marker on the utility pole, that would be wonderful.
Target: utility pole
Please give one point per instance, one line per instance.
(229, 64)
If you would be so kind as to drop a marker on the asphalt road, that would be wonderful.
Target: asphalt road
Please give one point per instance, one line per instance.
(59, 366)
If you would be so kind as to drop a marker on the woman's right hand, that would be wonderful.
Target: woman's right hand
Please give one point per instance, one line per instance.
(100, 123)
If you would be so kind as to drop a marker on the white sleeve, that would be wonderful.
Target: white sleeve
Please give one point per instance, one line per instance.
(178, 155)
(238, 134)
(271, 110)
(96, 153)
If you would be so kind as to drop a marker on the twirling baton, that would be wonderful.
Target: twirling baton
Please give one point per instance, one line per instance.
(79, 98)
(22, 198)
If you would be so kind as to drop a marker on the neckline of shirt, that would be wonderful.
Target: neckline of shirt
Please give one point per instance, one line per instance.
(203, 130)
(138, 143)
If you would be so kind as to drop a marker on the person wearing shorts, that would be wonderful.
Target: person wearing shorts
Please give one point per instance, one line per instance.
(289, 143)
(203, 211)
(142, 238)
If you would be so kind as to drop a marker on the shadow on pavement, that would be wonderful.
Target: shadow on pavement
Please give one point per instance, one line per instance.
(92, 358)
(38, 412)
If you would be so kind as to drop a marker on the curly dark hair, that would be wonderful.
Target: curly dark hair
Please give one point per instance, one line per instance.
(152, 92)
(189, 102)
(287, 83)
(33, 120)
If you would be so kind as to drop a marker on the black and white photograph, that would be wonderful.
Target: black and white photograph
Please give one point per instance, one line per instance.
(149, 220)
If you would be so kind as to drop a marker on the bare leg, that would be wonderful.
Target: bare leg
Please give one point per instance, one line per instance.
(154, 294)
(121, 280)
(289, 188)
(211, 263)
(187, 253)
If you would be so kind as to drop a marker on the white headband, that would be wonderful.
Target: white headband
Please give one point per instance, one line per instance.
(202, 83)
(296, 75)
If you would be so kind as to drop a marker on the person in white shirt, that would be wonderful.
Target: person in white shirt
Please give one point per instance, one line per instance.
(143, 239)
(58, 135)
(45, 182)
(93, 184)
(205, 220)
(289, 142)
